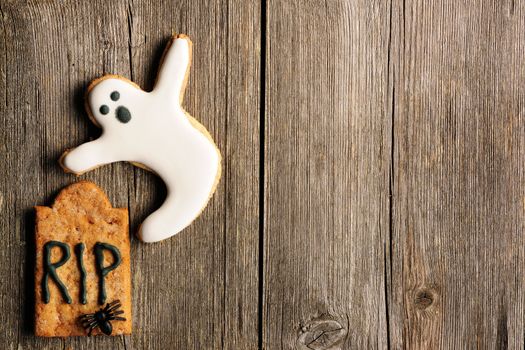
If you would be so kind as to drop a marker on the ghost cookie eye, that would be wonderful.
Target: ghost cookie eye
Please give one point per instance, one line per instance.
(104, 109)
(115, 95)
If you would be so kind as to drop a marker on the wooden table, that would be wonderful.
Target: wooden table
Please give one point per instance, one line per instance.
(373, 190)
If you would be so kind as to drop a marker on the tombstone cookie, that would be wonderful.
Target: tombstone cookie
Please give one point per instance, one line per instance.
(83, 279)
(152, 130)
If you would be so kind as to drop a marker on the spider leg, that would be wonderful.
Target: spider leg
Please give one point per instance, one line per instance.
(114, 302)
(115, 312)
(91, 328)
(116, 318)
(109, 305)
(87, 321)
(87, 316)
(113, 306)
(90, 324)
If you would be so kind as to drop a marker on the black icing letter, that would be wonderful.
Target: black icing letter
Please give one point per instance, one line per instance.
(50, 270)
(103, 271)
(79, 251)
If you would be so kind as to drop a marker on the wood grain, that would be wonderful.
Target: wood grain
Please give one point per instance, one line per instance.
(458, 194)
(195, 290)
(327, 137)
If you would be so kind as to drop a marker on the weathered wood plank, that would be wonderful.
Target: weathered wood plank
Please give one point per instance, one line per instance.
(459, 184)
(195, 290)
(210, 281)
(326, 174)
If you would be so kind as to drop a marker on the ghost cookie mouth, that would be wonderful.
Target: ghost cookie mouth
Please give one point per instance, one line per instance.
(123, 115)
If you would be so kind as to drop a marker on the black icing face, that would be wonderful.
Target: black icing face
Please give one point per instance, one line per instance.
(104, 109)
(115, 95)
(122, 114)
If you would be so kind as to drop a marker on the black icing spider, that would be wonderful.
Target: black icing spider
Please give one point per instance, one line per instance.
(102, 317)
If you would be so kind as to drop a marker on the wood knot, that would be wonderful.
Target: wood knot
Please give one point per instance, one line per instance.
(424, 299)
(322, 334)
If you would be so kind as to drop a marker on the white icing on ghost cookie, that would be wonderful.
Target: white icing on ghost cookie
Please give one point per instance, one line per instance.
(151, 129)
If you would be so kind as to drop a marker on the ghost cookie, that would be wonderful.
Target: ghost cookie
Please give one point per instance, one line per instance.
(153, 131)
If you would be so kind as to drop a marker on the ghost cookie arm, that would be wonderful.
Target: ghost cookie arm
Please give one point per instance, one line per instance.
(87, 156)
(173, 72)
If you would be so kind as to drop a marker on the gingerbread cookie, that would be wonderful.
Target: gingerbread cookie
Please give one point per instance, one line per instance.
(152, 130)
(83, 278)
